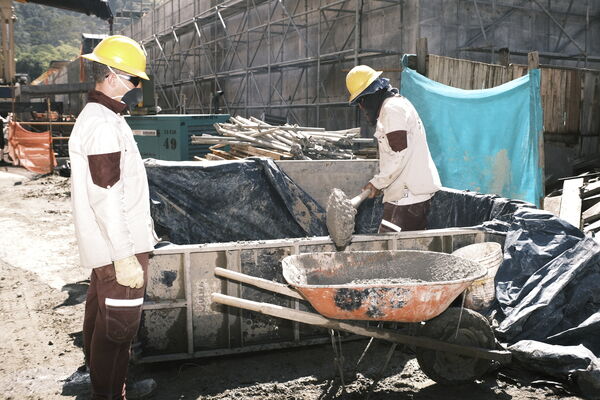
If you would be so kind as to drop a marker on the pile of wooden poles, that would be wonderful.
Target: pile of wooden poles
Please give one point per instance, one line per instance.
(243, 138)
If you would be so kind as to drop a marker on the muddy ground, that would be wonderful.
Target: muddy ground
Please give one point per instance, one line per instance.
(42, 293)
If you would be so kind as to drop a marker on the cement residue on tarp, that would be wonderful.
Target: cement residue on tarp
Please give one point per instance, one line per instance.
(194, 202)
(577, 363)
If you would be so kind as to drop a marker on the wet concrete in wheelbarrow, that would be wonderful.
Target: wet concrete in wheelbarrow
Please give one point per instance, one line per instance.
(402, 285)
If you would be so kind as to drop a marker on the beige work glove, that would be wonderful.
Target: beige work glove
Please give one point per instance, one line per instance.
(129, 272)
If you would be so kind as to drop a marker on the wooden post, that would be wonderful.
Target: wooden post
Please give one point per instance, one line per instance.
(504, 56)
(422, 56)
(50, 144)
(533, 62)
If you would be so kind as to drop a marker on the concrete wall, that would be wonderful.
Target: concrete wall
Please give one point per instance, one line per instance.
(319, 177)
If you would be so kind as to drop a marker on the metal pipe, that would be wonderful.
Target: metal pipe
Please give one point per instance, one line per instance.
(559, 26)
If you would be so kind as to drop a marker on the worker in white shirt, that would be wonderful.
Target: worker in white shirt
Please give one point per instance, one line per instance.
(407, 175)
(111, 212)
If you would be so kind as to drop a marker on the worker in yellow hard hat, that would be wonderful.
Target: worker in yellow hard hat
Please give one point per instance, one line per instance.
(407, 175)
(111, 212)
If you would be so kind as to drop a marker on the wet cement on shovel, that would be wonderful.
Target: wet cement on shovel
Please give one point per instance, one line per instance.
(340, 218)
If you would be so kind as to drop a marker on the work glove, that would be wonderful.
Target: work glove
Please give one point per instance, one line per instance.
(129, 272)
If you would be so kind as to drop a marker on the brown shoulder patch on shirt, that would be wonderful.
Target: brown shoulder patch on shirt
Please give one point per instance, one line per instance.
(105, 168)
(397, 140)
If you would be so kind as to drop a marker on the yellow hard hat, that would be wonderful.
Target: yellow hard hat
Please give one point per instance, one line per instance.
(122, 53)
(359, 78)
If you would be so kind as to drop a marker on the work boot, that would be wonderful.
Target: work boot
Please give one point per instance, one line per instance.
(78, 383)
(140, 389)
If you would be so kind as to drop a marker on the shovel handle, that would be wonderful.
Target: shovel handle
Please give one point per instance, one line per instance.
(360, 198)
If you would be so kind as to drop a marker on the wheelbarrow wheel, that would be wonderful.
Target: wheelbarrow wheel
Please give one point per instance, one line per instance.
(448, 368)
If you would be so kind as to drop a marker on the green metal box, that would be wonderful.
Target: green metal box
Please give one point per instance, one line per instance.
(167, 137)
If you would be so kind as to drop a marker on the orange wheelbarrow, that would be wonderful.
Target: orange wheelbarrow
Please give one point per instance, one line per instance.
(453, 345)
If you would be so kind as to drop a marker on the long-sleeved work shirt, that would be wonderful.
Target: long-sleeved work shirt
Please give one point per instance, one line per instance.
(407, 174)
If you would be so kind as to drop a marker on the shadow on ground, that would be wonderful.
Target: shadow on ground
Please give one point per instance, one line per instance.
(77, 293)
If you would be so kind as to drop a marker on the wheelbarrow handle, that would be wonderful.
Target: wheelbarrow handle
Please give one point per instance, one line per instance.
(258, 282)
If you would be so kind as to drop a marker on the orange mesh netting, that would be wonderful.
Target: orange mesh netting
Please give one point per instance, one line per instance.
(30, 149)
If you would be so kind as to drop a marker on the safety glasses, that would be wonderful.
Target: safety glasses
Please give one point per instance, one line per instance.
(135, 81)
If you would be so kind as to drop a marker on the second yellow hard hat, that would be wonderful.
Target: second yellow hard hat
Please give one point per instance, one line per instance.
(359, 78)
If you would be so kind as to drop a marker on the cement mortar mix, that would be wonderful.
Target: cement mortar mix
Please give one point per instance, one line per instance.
(340, 218)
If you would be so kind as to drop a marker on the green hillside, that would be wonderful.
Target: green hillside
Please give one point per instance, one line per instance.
(44, 34)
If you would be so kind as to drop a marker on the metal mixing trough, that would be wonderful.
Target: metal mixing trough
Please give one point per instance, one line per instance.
(401, 286)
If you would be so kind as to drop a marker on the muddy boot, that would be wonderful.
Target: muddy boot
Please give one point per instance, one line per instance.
(78, 383)
(141, 389)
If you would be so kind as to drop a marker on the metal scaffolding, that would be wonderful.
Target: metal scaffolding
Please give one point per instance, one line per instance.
(564, 46)
(288, 58)
(264, 56)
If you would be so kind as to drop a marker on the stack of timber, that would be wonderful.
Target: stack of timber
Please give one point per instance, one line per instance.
(241, 138)
(580, 202)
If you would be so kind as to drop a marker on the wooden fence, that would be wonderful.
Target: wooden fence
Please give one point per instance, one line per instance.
(570, 97)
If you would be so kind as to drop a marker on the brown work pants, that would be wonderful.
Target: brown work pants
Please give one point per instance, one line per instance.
(412, 217)
(108, 329)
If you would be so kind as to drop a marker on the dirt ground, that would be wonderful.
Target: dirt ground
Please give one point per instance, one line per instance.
(42, 294)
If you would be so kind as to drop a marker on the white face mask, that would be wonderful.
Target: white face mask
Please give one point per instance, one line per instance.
(120, 81)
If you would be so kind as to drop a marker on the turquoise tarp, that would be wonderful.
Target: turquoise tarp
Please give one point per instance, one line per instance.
(483, 140)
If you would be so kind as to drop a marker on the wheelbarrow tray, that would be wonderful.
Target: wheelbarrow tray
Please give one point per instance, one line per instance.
(400, 286)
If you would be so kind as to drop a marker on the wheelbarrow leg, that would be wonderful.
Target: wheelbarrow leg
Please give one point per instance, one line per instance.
(379, 325)
(338, 357)
(388, 357)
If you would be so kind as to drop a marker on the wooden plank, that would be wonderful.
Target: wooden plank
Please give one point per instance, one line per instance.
(422, 56)
(552, 204)
(591, 214)
(563, 96)
(574, 102)
(570, 206)
(544, 90)
(549, 106)
(592, 228)
(433, 63)
(213, 157)
(378, 333)
(258, 282)
(261, 152)
(225, 155)
(589, 85)
(591, 189)
(590, 202)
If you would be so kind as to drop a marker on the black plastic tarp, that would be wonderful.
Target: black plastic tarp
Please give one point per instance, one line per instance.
(459, 208)
(550, 279)
(229, 201)
(548, 298)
